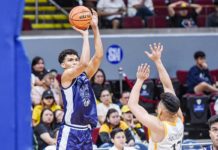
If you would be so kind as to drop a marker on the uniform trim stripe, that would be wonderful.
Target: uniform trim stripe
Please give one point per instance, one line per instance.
(69, 109)
(64, 138)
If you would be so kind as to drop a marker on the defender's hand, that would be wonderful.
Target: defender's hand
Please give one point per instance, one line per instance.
(156, 50)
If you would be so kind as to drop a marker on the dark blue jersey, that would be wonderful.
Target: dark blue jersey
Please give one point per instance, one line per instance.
(79, 103)
(196, 76)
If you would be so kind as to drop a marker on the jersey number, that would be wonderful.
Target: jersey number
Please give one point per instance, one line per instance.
(174, 146)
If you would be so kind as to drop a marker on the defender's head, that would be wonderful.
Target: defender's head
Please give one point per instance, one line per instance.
(68, 58)
(169, 104)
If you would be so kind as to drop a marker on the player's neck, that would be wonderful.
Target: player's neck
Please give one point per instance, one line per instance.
(168, 117)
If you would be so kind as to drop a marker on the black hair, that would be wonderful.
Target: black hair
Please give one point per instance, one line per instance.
(199, 54)
(109, 112)
(171, 102)
(35, 61)
(115, 131)
(212, 120)
(66, 52)
(104, 76)
(105, 89)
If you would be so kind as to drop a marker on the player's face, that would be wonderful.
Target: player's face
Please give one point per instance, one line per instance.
(70, 61)
(105, 97)
(214, 134)
(114, 119)
(125, 98)
(47, 116)
(39, 67)
(99, 78)
(119, 140)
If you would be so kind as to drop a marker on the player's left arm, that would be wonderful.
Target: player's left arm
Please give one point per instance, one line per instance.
(155, 56)
(150, 121)
(96, 59)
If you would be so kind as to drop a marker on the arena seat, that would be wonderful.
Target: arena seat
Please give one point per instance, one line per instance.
(196, 108)
(188, 1)
(212, 111)
(201, 21)
(214, 74)
(203, 2)
(206, 10)
(95, 135)
(132, 22)
(26, 25)
(161, 11)
(182, 76)
(157, 22)
(160, 2)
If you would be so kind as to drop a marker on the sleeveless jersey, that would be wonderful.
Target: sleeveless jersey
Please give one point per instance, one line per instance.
(173, 137)
(79, 104)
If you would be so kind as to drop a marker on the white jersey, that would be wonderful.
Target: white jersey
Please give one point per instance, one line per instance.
(173, 137)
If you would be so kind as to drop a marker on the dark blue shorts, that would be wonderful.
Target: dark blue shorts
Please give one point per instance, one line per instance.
(70, 138)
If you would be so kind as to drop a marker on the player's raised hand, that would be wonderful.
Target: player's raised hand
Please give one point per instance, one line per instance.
(94, 22)
(83, 32)
(156, 50)
(143, 72)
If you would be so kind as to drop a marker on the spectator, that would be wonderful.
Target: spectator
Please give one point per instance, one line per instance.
(186, 15)
(59, 114)
(213, 132)
(124, 98)
(106, 104)
(212, 19)
(111, 12)
(54, 82)
(199, 79)
(44, 131)
(36, 92)
(99, 83)
(38, 70)
(111, 122)
(141, 8)
(135, 127)
(118, 138)
(47, 102)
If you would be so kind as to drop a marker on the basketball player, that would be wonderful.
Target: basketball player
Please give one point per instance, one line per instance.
(166, 130)
(80, 114)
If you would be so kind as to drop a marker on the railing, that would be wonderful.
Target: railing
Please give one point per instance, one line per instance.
(189, 145)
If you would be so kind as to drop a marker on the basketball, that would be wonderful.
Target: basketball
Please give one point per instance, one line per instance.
(80, 17)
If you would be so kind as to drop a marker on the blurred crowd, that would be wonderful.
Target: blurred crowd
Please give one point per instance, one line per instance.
(116, 123)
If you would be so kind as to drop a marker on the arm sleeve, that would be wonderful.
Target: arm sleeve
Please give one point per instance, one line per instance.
(129, 135)
(40, 129)
(141, 133)
(105, 138)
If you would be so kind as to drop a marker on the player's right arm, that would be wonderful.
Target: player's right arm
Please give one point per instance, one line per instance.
(155, 56)
(150, 121)
(71, 73)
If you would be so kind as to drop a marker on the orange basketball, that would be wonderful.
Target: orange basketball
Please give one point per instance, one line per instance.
(80, 17)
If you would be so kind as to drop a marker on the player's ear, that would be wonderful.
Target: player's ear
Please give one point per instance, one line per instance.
(63, 65)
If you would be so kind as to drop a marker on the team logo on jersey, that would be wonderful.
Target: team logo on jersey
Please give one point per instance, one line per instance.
(84, 93)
